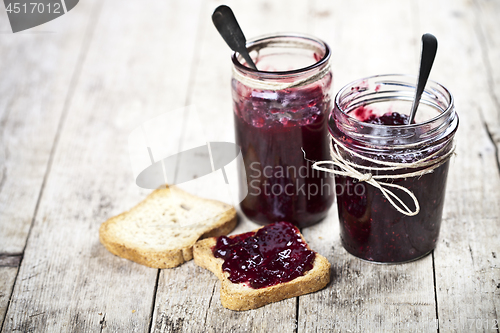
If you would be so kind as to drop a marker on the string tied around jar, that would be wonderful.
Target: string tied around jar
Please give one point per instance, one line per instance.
(366, 177)
(274, 85)
(350, 169)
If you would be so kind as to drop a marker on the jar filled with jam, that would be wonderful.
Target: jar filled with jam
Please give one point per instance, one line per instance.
(391, 175)
(280, 112)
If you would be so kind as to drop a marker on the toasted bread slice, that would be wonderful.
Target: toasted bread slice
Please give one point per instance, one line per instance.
(161, 230)
(240, 297)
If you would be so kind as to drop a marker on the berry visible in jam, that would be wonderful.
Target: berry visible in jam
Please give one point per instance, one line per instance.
(390, 118)
(273, 254)
(367, 115)
(271, 127)
(370, 228)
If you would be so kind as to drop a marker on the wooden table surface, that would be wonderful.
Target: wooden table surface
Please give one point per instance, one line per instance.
(72, 90)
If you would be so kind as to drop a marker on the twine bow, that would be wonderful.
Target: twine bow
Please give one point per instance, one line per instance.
(350, 169)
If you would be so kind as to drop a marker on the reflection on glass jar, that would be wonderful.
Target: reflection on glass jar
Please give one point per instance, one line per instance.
(279, 110)
(392, 162)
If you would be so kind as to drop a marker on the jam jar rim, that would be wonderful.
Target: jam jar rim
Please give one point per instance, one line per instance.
(280, 74)
(449, 109)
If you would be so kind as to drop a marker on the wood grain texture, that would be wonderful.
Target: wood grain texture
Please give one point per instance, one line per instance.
(466, 262)
(9, 260)
(179, 307)
(7, 279)
(37, 67)
(364, 296)
(109, 66)
(487, 30)
(68, 281)
(366, 38)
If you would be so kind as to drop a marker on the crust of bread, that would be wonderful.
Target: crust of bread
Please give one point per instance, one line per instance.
(122, 234)
(240, 297)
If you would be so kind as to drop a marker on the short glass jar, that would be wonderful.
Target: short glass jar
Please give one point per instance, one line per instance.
(404, 160)
(280, 109)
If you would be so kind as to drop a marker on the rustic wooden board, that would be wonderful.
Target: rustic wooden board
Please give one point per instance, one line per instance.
(364, 296)
(134, 67)
(486, 30)
(367, 38)
(188, 297)
(137, 61)
(7, 278)
(466, 262)
(37, 69)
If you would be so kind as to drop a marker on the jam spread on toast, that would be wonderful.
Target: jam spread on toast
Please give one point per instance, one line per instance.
(273, 254)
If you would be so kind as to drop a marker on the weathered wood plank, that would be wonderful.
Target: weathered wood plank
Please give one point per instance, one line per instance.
(135, 67)
(7, 279)
(10, 260)
(69, 282)
(36, 67)
(466, 261)
(364, 296)
(487, 33)
(188, 300)
(367, 38)
(188, 297)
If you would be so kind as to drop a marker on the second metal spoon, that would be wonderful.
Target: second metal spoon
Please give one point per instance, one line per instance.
(225, 22)
(429, 49)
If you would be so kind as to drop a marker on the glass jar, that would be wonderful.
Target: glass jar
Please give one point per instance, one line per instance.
(280, 110)
(409, 161)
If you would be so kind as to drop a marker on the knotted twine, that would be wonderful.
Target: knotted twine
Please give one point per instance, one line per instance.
(350, 169)
(273, 85)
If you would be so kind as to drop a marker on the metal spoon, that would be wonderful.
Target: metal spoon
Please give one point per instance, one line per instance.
(429, 49)
(229, 29)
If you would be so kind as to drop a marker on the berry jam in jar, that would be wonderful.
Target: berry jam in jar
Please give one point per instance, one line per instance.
(280, 109)
(391, 176)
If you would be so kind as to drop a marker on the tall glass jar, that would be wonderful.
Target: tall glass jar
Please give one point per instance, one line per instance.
(386, 164)
(280, 112)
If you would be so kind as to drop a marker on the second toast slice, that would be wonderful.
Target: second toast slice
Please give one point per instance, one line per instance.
(161, 230)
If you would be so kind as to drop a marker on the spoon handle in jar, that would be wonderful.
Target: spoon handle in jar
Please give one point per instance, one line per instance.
(228, 27)
(429, 49)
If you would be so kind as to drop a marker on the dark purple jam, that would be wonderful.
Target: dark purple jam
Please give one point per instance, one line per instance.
(370, 227)
(271, 128)
(390, 118)
(274, 254)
